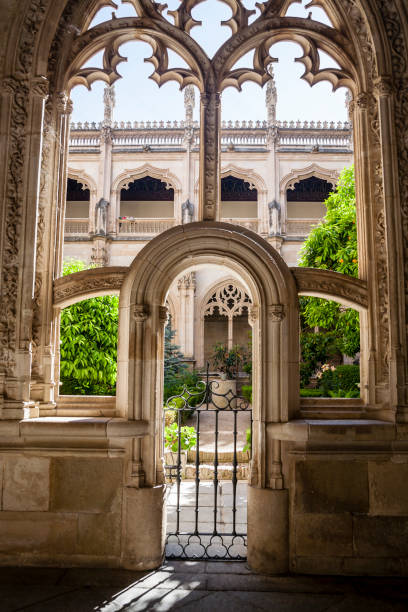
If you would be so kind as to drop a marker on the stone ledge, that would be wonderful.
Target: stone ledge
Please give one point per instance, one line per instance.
(92, 427)
(336, 430)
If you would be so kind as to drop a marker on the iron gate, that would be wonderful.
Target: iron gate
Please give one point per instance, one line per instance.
(201, 539)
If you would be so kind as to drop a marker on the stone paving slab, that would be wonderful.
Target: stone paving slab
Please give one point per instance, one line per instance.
(196, 586)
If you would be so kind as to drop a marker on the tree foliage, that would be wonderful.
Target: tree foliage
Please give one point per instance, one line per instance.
(332, 245)
(174, 367)
(89, 340)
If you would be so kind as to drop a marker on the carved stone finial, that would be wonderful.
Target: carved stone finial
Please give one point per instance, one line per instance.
(140, 313)
(276, 312)
(189, 103)
(271, 97)
(108, 105)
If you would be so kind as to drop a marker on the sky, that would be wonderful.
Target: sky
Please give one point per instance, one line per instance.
(139, 98)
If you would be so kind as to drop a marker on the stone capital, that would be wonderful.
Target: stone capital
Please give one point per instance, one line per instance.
(362, 100)
(253, 313)
(383, 86)
(140, 313)
(276, 312)
(163, 314)
(40, 87)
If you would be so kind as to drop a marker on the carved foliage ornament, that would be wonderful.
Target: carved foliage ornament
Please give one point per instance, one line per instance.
(140, 313)
(66, 288)
(276, 312)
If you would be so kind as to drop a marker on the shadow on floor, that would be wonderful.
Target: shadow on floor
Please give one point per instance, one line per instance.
(194, 586)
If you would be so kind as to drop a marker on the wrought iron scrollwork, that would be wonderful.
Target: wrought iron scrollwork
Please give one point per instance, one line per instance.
(210, 544)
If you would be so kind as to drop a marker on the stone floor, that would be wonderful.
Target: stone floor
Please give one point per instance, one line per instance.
(195, 586)
(215, 545)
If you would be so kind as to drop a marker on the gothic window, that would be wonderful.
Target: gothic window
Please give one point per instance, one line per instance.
(239, 199)
(77, 208)
(147, 197)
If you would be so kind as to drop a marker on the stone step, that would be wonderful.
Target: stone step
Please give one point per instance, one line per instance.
(225, 471)
(208, 456)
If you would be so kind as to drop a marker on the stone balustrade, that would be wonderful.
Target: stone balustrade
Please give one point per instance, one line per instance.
(146, 135)
(300, 227)
(76, 227)
(242, 125)
(143, 227)
(251, 224)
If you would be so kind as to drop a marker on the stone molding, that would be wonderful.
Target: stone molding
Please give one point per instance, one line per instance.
(332, 286)
(88, 283)
(298, 174)
(248, 175)
(132, 174)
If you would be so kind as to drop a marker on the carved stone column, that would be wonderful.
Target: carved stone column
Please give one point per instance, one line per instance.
(210, 146)
(373, 259)
(23, 101)
(49, 250)
(392, 235)
(186, 289)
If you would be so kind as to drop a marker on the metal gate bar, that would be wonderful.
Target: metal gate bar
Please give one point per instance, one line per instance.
(215, 544)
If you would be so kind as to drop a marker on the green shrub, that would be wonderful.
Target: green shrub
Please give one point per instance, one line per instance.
(347, 377)
(343, 381)
(247, 392)
(248, 445)
(310, 393)
(188, 437)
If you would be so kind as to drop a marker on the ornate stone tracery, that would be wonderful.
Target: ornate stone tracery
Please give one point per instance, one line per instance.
(229, 300)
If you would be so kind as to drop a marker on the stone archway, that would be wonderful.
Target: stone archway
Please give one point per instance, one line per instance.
(274, 316)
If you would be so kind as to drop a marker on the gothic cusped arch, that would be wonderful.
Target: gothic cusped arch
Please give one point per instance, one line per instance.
(133, 174)
(298, 174)
(248, 175)
(83, 178)
(162, 174)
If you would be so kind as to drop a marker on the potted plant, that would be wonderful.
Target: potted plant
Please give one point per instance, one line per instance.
(227, 362)
(185, 437)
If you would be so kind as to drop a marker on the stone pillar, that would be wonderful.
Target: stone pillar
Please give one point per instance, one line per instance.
(49, 250)
(272, 136)
(189, 104)
(210, 146)
(374, 257)
(186, 290)
(392, 235)
(268, 506)
(144, 524)
(105, 218)
(23, 113)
